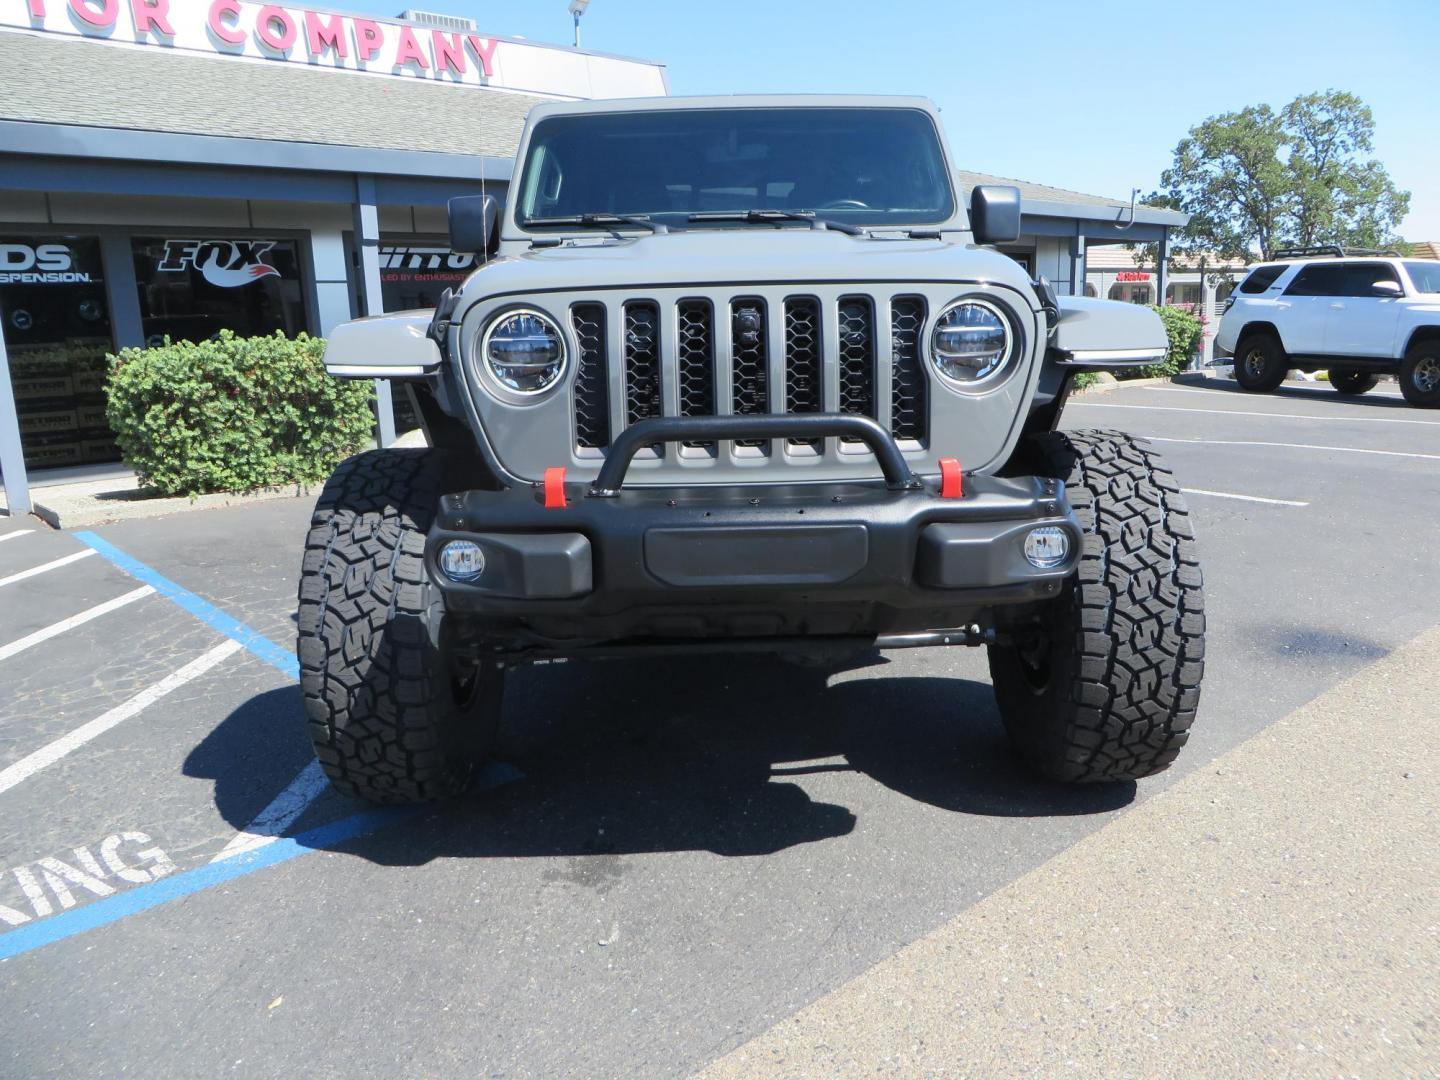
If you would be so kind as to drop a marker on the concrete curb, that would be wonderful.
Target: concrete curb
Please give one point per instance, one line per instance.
(70, 509)
(1109, 387)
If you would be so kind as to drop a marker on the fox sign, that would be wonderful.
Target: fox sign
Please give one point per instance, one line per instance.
(335, 41)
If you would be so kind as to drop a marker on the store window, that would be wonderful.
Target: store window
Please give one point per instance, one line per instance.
(1183, 294)
(413, 275)
(192, 288)
(1131, 294)
(57, 333)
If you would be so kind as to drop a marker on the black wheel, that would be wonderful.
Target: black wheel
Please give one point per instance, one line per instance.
(1350, 381)
(1420, 374)
(395, 715)
(1260, 362)
(1105, 687)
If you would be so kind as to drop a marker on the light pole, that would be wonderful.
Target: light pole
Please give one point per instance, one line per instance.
(577, 8)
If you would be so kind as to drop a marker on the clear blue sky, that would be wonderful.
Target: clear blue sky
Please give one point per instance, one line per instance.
(1085, 95)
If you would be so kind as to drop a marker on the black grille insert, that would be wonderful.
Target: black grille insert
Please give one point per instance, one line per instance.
(749, 361)
(592, 379)
(642, 361)
(695, 367)
(857, 356)
(909, 411)
(804, 368)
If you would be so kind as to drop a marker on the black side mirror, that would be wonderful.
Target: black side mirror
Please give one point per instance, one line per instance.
(995, 214)
(474, 225)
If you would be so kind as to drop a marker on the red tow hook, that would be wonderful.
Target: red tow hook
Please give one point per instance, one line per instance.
(555, 488)
(952, 481)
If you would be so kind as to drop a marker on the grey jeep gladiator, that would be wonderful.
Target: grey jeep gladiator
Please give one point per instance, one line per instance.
(745, 374)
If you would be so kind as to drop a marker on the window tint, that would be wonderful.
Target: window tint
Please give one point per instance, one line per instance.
(57, 329)
(1359, 279)
(1319, 279)
(1425, 275)
(191, 289)
(868, 165)
(1261, 278)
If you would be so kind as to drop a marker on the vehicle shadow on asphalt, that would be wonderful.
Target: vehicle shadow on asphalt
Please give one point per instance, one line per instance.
(1296, 393)
(682, 755)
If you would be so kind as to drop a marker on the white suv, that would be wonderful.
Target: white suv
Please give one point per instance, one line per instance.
(1357, 315)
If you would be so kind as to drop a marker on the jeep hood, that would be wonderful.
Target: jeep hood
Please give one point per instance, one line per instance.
(739, 257)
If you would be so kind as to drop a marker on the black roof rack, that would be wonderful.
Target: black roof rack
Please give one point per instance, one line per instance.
(1332, 250)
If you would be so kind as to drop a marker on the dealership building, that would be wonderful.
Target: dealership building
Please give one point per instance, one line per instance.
(178, 167)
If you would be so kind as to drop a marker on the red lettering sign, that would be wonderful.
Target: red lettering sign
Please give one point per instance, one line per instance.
(222, 29)
(409, 51)
(152, 14)
(368, 38)
(266, 31)
(1131, 275)
(321, 35)
(449, 52)
(484, 49)
(101, 19)
(37, 9)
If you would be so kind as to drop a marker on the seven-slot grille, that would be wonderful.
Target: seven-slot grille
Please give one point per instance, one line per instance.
(754, 356)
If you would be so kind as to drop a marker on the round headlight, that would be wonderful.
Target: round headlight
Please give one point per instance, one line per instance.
(524, 352)
(971, 341)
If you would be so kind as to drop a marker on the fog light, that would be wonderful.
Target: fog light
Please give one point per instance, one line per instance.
(462, 560)
(1047, 547)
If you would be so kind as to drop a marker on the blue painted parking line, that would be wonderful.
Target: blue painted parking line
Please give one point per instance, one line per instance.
(269, 853)
(176, 886)
(188, 882)
(274, 655)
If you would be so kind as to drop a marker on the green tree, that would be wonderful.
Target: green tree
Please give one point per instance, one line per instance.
(1256, 180)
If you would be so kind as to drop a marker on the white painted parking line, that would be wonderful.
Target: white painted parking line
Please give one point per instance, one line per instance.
(13, 535)
(1315, 391)
(1294, 446)
(28, 766)
(55, 629)
(55, 565)
(270, 824)
(1243, 498)
(1248, 412)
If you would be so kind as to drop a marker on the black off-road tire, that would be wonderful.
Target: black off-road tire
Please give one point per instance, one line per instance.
(1107, 685)
(1350, 382)
(393, 717)
(1420, 374)
(1260, 362)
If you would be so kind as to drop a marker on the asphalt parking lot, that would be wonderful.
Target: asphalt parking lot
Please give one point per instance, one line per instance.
(671, 860)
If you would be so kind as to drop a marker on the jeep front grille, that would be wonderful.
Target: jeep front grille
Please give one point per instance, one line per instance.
(642, 360)
(592, 384)
(749, 362)
(804, 363)
(908, 405)
(747, 354)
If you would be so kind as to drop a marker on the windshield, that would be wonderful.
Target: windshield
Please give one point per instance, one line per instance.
(866, 166)
(1425, 275)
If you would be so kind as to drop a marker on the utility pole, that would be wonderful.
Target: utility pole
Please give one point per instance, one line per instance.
(12, 455)
(577, 8)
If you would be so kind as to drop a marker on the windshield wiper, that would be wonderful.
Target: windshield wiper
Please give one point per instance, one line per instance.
(602, 220)
(771, 217)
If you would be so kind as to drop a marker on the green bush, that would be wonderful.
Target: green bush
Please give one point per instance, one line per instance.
(233, 413)
(1184, 329)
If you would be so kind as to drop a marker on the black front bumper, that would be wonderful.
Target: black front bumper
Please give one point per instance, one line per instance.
(833, 559)
(749, 561)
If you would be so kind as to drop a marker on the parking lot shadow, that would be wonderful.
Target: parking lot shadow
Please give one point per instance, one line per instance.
(1297, 393)
(694, 754)
(253, 754)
